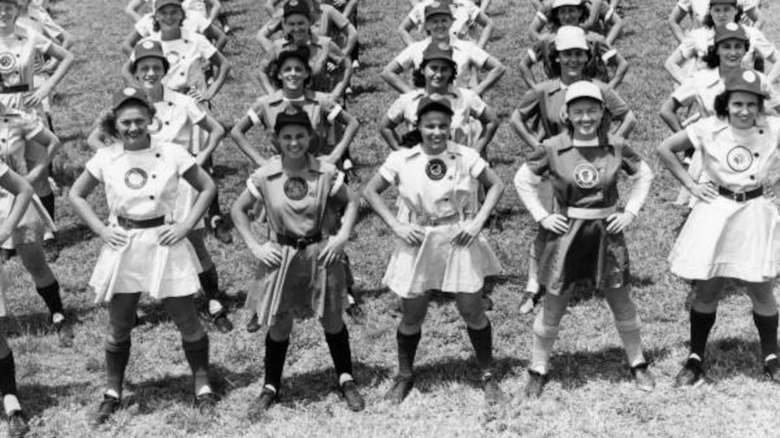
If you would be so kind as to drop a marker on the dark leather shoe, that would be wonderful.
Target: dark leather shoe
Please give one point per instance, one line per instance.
(400, 389)
(17, 425)
(253, 325)
(64, 329)
(493, 393)
(772, 369)
(107, 407)
(223, 323)
(535, 384)
(264, 401)
(206, 403)
(691, 374)
(354, 400)
(643, 379)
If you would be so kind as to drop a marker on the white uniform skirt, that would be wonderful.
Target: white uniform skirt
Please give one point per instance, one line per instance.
(30, 228)
(4, 283)
(724, 238)
(438, 265)
(145, 266)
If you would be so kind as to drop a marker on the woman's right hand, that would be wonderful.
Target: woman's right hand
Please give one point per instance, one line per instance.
(268, 253)
(557, 223)
(704, 191)
(411, 234)
(115, 236)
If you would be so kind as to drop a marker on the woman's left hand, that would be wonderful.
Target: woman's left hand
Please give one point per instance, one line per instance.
(36, 97)
(469, 230)
(617, 222)
(333, 251)
(198, 96)
(172, 234)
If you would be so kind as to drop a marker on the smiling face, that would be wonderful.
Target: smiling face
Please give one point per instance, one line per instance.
(169, 17)
(434, 127)
(149, 71)
(294, 141)
(723, 14)
(293, 74)
(743, 109)
(296, 27)
(132, 122)
(437, 73)
(572, 63)
(438, 26)
(730, 52)
(585, 115)
(568, 15)
(9, 12)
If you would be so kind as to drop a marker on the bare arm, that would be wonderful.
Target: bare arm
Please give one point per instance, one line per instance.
(387, 131)
(132, 9)
(352, 125)
(216, 34)
(130, 41)
(404, 31)
(23, 192)
(487, 28)
(224, 68)
(525, 70)
(620, 71)
(262, 76)
(238, 133)
(674, 20)
(42, 161)
(516, 122)
(672, 66)
(391, 75)
(627, 125)
(535, 29)
(216, 134)
(496, 69)
(489, 120)
(65, 58)
(615, 28)
(668, 114)
(202, 182)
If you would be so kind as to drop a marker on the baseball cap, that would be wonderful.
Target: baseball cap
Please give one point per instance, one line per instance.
(744, 80)
(582, 89)
(127, 94)
(570, 37)
(559, 3)
(160, 3)
(148, 49)
(293, 7)
(723, 2)
(299, 52)
(430, 103)
(730, 31)
(291, 116)
(438, 50)
(438, 7)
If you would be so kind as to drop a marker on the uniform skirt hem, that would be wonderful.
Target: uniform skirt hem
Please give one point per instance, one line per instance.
(726, 270)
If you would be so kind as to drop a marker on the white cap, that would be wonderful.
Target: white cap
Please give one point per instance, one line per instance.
(583, 89)
(559, 3)
(570, 37)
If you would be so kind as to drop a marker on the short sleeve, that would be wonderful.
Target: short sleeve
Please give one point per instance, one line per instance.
(696, 131)
(615, 104)
(253, 184)
(180, 157)
(337, 18)
(96, 164)
(255, 113)
(194, 112)
(330, 109)
(417, 14)
(335, 54)
(760, 44)
(536, 52)
(631, 160)
(205, 48)
(41, 43)
(476, 104)
(3, 168)
(336, 183)
(477, 55)
(396, 111)
(474, 163)
(391, 167)
(538, 162)
(529, 104)
(685, 5)
(406, 58)
(144, 26)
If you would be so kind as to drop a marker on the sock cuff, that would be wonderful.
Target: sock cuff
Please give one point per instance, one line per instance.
(486, 329)
(341, 334)
(403, 337)
(200, 344)
(118, 347)
(270, 340)
(54, 287)
(767, 318)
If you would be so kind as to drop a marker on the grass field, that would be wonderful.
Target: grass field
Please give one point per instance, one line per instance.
(590, 393)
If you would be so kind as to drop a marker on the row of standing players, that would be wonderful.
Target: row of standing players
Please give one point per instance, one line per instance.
(569, 40)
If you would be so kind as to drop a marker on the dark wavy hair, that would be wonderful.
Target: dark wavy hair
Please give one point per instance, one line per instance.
(418, 77)
(276, 68)
(710, 23)
(712, 59)
(721, 104)
(583, 16)
(156, 25)
(588, 70)
(108, 119)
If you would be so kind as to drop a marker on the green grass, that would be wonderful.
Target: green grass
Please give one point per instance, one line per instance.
(589, 395)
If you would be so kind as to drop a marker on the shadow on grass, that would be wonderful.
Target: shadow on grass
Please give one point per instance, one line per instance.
(575, 369)
(74, 235)
(316, 385)
(221, 171)
(429, 376)
(37, 398)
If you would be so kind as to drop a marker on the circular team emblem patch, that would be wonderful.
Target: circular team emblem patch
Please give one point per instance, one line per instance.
(436, 169)
(7, 62)
(135, 178)
(739, 159)
(173, 57)
(296, 188)
(586, 176)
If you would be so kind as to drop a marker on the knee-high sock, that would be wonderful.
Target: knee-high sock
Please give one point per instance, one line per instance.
(197, 354)
(51, 296)
(767, 332)
(407, 348)
(209, 282)
(275, 355)
(338, 344)
(8, 375)
(701, 325)
(482, 340)
(117, 357)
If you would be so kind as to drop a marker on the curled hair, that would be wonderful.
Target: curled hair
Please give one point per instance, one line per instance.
(156, 25)
(710, 23)
(418, 77)
(712, 59)
(603, 129)
(721, 104)
(588, 70)
(276, 68)
(107, 120)
(584, 15)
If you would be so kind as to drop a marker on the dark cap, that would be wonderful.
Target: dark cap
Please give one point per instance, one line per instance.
(744, 80)
(730, 31)
(160, 3)
(291, 116)
(149, 49)
(438, 7)
(429, 103)
(16, 2)
(293, 7)
(299, 52)
(127, 94)
(438, 50)
(723, 2)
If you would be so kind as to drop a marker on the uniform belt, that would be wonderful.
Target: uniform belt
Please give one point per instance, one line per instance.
(589, 213)
(14, 89)
(298, 242)
(139, 224)
(429, 221)
(741, 196)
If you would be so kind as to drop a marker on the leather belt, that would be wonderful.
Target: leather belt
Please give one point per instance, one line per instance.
(134, 224)
(298, 242)
(589, 213)
(740, 196)
(14, 89)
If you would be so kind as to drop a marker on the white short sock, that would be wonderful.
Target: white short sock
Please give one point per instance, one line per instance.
(11, 404)
(344, 378)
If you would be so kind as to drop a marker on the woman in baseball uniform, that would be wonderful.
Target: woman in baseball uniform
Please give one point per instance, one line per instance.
(13, 185)
(145, 249)
(699, 9)
(439, 244)
(582, 235)
(466, 17)
(597, 16)
(733, 230)
(301, 269)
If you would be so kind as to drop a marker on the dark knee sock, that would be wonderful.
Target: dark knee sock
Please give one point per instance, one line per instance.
(214, 207)
(197, 354)
(482, 340)
(767, 332)
(7, 375)
(407, 348)
(48, 204)
(51, 296)
(117, 357)
(209, 282)
(701, 324)
(338, 344)
(275, 354)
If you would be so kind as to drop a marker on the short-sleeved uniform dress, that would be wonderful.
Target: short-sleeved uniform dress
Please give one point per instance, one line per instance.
(438, 192)
(541, 51)
(725, 237)
(464, 14)
(466, 106)
(3, 275)
(467, 56)
(695, 46)
(322, 50)
(18, 55)
(584, 181)
(605, 13)
(16, 128)
(296, 207)
(698, 9)
(141, 191)
(187, 56)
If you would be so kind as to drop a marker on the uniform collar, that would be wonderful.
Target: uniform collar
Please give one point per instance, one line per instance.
(562, 142)
(278, 97)
(275, 168)
(452, 148)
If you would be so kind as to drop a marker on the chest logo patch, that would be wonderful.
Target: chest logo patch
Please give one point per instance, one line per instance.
(296, 188)
(173, 57)
(7, 62)
(739, 159)
(586, 176)
(136, 178)
(436, 169)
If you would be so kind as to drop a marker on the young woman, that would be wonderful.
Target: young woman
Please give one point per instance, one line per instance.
(474, 123)
(689, 56)
(538, 117)
(176, 118)
(466, 16)
(195, 20)
(557, 13)
(13, 185)
(468, 57)
(145, 249)
(439, 244)
(301, 270)
(734, 230)
(583, 234)
(698, 11)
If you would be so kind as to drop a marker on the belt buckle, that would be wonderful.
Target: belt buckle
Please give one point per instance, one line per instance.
(740, 197)
(301, 242)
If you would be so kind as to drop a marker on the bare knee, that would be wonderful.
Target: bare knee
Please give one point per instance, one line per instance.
(471, 310)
